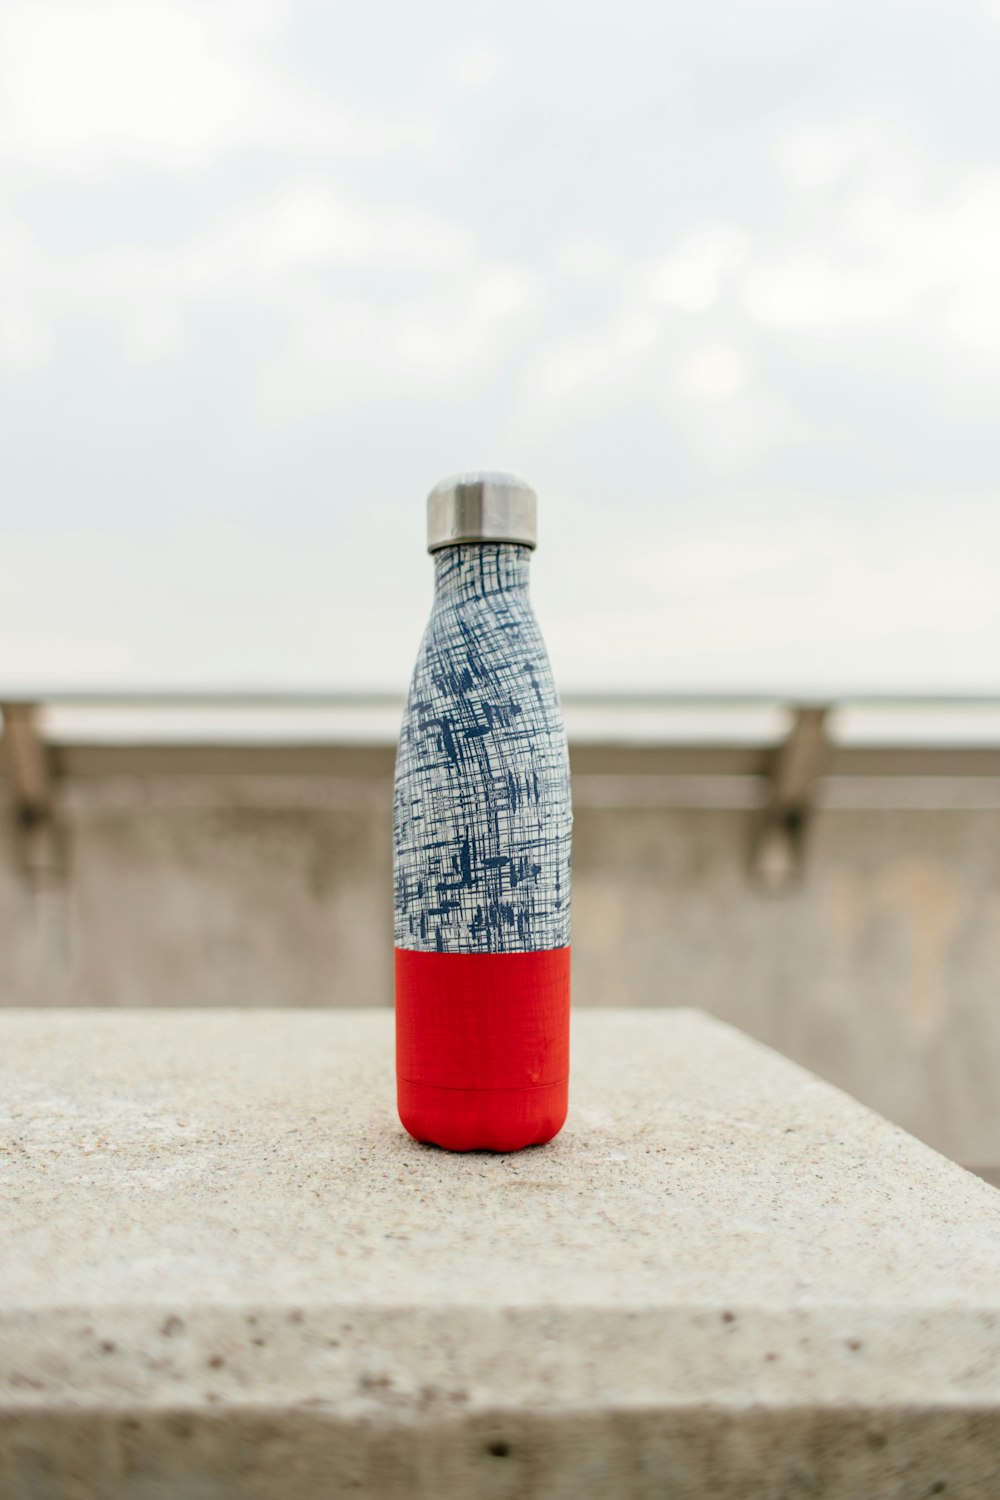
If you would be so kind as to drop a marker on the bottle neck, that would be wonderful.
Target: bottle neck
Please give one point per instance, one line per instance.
(473, 570)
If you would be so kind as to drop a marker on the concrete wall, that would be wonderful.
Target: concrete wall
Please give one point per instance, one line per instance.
(879, 970)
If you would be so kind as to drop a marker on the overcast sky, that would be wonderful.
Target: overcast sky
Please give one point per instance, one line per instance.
(720, 279)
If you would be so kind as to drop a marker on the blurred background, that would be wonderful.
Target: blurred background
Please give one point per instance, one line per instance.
(721, 282)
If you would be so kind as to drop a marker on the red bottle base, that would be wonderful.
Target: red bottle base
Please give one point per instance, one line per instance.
(482, 1047)
(482, 1119)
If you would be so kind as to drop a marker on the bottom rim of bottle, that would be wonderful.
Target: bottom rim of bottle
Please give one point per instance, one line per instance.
(502, 1120)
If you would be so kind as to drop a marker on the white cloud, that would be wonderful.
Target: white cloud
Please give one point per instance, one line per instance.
(931, 264)
(947, 252)
(764, 591)
(151, 331)
(459, 330)
(243, 608)
(170, 84)
(890, 238)
(691, 277)
(866, 150)
(435, 309)
(24, 341)
(312, 225)
(593, 365)
(586, 261)
(438, 342)
(809, 289)
(25, 338)
(713, 373)
(727, 416)
(476, 65)
(735, 432)
(707, 386)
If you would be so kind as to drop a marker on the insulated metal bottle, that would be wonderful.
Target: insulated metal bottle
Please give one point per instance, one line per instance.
(482, 823)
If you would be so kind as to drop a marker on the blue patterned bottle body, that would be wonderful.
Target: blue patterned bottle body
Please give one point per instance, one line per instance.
(482, 850)
(482, 817)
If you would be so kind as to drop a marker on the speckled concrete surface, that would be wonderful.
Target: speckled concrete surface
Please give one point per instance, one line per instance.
(226, 1272)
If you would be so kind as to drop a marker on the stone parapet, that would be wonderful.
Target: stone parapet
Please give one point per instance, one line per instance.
(225, 1272)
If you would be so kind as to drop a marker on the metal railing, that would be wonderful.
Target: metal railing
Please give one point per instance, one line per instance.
(779, 756)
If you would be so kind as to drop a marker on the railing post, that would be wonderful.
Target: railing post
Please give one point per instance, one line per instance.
(25, 762)
(779, 843)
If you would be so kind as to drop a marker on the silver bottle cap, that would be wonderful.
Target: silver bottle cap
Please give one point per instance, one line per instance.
(481, 507)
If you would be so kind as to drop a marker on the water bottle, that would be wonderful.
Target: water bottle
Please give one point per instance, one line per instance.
(482, 823)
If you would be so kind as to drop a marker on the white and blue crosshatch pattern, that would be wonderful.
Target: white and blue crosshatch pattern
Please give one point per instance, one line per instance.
(482, 818)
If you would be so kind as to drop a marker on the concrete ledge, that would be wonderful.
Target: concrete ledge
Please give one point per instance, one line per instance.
(226, 1272)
